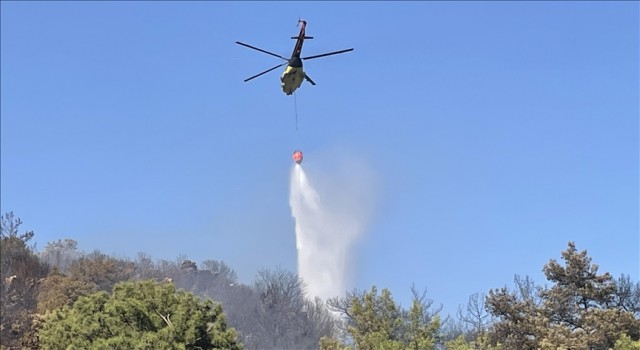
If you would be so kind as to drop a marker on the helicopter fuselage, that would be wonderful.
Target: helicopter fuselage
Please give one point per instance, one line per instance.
(291, 79)
(293, 76)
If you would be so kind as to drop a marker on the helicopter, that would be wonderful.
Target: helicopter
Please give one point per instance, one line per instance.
(293, 75)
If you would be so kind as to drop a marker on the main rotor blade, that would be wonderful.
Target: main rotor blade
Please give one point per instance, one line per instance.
(327, 54)
(265, 72)
(309, 79)
(261, 50)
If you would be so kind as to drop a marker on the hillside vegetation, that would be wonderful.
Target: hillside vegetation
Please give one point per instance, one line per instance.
(63, 298)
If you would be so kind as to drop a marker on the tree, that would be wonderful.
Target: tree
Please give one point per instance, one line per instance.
(58, 290)
(20, 271)
(481, 342)
(583, 309)
(60, 254)
(375, 321)
(102, 270)
(214, 280)
(271, 313)
(220, 269)
(331, 343)
(475, 315)
(519, 320)
(282, 318)
(321, 323)
(138, 315)
(580, 304)
(625, 343)
(454, 328)
(627, 296)
(423, 324)
(459, 343)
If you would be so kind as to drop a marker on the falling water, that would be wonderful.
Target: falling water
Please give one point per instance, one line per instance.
(329, 216)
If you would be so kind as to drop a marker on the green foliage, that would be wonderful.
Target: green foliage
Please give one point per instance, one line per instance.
(519, 319)
(459, 343)
(581, 310)
(577, 284)
(331, 343)
(625, 343)
(421, 333)
(375, 321)
(481, 342)
(579, 304)
(138, 315)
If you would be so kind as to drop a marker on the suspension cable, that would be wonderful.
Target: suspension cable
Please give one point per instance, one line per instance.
(295, 106)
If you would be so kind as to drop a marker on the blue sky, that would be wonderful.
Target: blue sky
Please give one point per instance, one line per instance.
(497, 132)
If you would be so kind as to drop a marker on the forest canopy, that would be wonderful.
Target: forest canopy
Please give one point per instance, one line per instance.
(61, 297)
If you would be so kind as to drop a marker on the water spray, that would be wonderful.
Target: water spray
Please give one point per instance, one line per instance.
(330, 213)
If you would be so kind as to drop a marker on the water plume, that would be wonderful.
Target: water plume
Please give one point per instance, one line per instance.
(330, 214)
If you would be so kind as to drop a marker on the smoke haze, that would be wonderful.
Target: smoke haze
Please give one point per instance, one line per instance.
(331, 210)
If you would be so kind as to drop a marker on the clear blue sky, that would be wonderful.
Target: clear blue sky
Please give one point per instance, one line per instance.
(497, 131)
